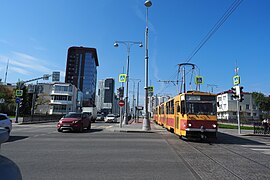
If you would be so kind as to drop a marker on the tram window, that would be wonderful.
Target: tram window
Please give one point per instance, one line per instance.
(183, 109)
(178, 108)
(201, 108)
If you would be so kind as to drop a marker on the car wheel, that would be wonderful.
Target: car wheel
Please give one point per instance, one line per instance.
(89, 126)
(81, 128)
(59, 130)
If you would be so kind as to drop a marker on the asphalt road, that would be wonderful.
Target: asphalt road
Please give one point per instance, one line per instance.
(41, 152)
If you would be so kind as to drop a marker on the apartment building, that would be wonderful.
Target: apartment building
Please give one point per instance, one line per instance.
(227, 107)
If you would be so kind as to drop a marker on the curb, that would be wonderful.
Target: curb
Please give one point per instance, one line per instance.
(132, 131)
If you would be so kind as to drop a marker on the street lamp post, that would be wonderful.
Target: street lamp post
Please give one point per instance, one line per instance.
(146, 121)
(128, 44)
(137, 111)
(134, 100)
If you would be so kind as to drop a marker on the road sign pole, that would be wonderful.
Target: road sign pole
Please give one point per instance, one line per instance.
(17, 112)
(238, 116)
(121, 103)
(121, 117)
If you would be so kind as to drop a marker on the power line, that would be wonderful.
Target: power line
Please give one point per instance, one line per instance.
(221, 21)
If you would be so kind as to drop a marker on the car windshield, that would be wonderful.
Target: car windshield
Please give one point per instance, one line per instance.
(73, 115)
(110, 115)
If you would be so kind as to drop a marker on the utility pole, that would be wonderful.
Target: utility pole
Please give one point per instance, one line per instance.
(212, 85)
(6, 72)
(238, 95)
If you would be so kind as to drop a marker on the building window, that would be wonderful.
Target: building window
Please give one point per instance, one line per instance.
(224, 98)
(240, 108)
(247, 106)
(220, 106)
(254, 114)
(224, 106)
(219, 99)
(234, 113)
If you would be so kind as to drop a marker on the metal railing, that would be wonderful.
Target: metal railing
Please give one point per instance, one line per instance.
(260, 128)
(41, 118)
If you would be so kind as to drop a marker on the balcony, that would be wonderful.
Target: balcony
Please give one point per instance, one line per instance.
(68, 93)
(63, 102)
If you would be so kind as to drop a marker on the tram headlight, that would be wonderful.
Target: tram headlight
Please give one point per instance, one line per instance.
(189, 124)
(214, 126)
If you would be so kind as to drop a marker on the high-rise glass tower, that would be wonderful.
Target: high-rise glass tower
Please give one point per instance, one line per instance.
(81, 70)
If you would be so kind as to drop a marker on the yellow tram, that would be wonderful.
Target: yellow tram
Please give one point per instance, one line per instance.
(192, 115)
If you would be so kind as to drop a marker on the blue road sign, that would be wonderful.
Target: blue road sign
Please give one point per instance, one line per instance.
(18, 100)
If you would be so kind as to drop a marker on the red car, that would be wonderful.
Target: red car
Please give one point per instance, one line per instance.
(74, 122)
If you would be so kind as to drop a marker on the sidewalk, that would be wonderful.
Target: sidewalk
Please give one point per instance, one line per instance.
(20, 120)
(136, 126)
(234, 132)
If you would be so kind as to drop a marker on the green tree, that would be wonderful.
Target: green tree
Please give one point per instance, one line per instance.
(42, 99)
(7, 93)
(26, 102)
(262, 101)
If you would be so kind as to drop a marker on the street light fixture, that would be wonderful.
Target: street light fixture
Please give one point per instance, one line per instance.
(128, 45)
(146, 121)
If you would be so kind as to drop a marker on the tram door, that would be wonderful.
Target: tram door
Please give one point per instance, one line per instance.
(177, 117)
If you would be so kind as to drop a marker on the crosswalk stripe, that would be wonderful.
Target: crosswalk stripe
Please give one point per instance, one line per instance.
(265, 149)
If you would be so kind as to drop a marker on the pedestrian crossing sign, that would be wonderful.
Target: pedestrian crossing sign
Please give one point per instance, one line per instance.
(122, 78)
(198, 80)
(19, 92)
(150, 89)
(236, 80)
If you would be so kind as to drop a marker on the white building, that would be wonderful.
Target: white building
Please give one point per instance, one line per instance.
(227, 109)
(57, 98)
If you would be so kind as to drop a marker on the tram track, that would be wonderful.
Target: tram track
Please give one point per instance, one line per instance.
(195, 174)
(250, 159)
(212, 161)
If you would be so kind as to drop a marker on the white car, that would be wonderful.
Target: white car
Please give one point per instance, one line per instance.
(110, 118)
(5, 122)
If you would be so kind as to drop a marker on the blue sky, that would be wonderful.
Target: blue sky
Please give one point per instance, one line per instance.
(35, 36)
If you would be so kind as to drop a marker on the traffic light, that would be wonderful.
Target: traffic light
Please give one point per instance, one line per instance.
(241, 95)
(120, 92)
(234, 92)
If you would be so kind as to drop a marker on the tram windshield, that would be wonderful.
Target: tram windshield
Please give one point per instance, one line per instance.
(201, 105)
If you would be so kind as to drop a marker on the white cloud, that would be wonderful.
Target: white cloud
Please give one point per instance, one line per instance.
(5, 42)
(24, 64)
(27, 61)
(20, 70)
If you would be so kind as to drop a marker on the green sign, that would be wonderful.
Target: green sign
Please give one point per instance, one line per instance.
(19, 92)
(236, 80)
(122, 78)
(150, 89)
(198, 80)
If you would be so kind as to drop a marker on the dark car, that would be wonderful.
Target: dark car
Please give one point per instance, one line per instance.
(74, 122)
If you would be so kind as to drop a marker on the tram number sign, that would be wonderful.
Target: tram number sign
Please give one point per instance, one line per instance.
(121, 103)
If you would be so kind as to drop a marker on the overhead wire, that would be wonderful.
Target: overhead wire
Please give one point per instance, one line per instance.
(214, 29)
